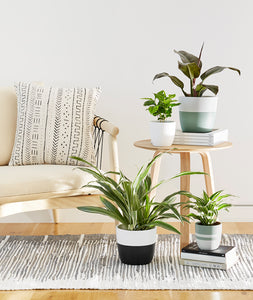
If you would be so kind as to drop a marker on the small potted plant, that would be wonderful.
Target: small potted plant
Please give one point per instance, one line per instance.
(208, 230)
(128, 202)
(162, 131)
(197, 112)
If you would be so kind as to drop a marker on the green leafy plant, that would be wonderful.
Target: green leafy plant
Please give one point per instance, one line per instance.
(191, 66)
(161, 106)
(129, 201)
(207, 208)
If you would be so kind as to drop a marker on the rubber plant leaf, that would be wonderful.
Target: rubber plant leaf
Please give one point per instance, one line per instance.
(187, 57)
(216, 70)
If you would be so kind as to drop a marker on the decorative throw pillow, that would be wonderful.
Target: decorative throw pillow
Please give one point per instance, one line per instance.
(53, 124)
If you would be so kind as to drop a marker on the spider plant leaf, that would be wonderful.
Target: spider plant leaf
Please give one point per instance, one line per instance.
(224, 205)
(188, 173)
(215, 70)
(165, 226)
(100, 211)
(86, 162)
(113, 209)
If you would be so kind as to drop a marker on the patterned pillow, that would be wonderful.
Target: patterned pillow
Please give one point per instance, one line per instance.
(53, 124)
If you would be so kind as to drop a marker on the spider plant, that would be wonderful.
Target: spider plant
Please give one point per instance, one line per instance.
(191, 66)
(207, 208)
(129, 202)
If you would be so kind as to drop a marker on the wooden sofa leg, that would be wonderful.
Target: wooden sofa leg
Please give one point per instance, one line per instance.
(55, 216)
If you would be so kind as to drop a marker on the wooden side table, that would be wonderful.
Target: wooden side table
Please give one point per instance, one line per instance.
(184, 151)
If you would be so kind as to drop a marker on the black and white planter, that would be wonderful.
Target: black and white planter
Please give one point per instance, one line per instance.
(162, 133)
(208, 237)
(136, 247)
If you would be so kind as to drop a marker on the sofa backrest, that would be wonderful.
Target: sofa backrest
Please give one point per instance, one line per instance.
(8, 118)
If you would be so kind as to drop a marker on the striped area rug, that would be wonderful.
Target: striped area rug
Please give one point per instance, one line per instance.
(91, 262)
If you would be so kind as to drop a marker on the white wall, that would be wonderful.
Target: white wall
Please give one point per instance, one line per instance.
(120, 45)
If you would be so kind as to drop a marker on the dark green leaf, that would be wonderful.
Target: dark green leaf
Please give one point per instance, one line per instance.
(187, 57)
(191, 70)
(215, 70)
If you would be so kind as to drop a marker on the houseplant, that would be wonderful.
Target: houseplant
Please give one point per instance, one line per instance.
(197, 112)
(207, 229)
(128, 202)
(162, 131)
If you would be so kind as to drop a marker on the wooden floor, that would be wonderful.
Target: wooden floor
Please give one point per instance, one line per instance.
(89, 228)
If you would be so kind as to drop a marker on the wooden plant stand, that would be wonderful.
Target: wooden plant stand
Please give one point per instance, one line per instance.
(185, 152)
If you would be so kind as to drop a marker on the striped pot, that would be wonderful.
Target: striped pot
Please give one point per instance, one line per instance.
(197, 114)
(208, 237)
(136, 247)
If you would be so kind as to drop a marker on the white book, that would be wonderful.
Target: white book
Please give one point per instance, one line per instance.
(207, 264)
(212, 138)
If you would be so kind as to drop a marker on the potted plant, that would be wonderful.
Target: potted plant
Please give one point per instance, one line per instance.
(208, 230)
(197, 112)
(128, 202)
(162, 131)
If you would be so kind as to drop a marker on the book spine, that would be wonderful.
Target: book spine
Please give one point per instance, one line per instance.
(203, 264)
(203, 257)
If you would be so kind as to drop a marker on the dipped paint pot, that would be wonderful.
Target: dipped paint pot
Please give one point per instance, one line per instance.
(136, 247)
(197, 114)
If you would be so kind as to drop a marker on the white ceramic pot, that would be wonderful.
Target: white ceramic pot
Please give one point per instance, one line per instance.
(197, 114)
(208, 237)
(162, 133)
(136, 247)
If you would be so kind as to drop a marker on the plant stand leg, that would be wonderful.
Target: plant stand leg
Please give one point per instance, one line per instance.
(207, 167)
(155, 169)
(55, 216)
(185, 161)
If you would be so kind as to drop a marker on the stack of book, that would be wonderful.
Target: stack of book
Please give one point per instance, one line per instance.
(215, 137)
(222, 258)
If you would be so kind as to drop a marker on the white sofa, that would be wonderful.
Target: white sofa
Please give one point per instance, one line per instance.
(37, 187)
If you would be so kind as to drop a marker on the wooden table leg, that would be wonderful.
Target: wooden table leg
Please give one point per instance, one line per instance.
(185, 161)
(155, 169)
(207, 167)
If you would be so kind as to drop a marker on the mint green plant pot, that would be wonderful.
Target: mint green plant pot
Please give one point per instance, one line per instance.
(197, 114)
(208, 237)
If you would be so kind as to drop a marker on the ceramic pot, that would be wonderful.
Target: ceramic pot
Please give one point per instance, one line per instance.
(197, 114)
(136, 247)
(162, 133)
(208, 237)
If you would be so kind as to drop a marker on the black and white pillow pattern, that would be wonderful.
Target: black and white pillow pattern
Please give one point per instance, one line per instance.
(53, 124)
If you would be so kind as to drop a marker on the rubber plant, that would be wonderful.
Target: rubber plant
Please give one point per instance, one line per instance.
(191, 66)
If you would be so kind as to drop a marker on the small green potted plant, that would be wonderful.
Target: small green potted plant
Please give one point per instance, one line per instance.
(208, 229)
(162, 131)
(197, 111)
(128, 202)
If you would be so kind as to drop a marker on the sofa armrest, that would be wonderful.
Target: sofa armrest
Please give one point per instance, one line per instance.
(105, 125)
(113, 131)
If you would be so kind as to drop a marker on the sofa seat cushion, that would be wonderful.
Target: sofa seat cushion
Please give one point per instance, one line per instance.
(36, 179)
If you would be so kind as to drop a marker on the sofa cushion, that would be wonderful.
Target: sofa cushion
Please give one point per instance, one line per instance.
(53, 124)
(8, 118)
(25, 180)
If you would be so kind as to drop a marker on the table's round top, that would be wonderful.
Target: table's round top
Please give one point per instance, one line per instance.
(146, 144)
